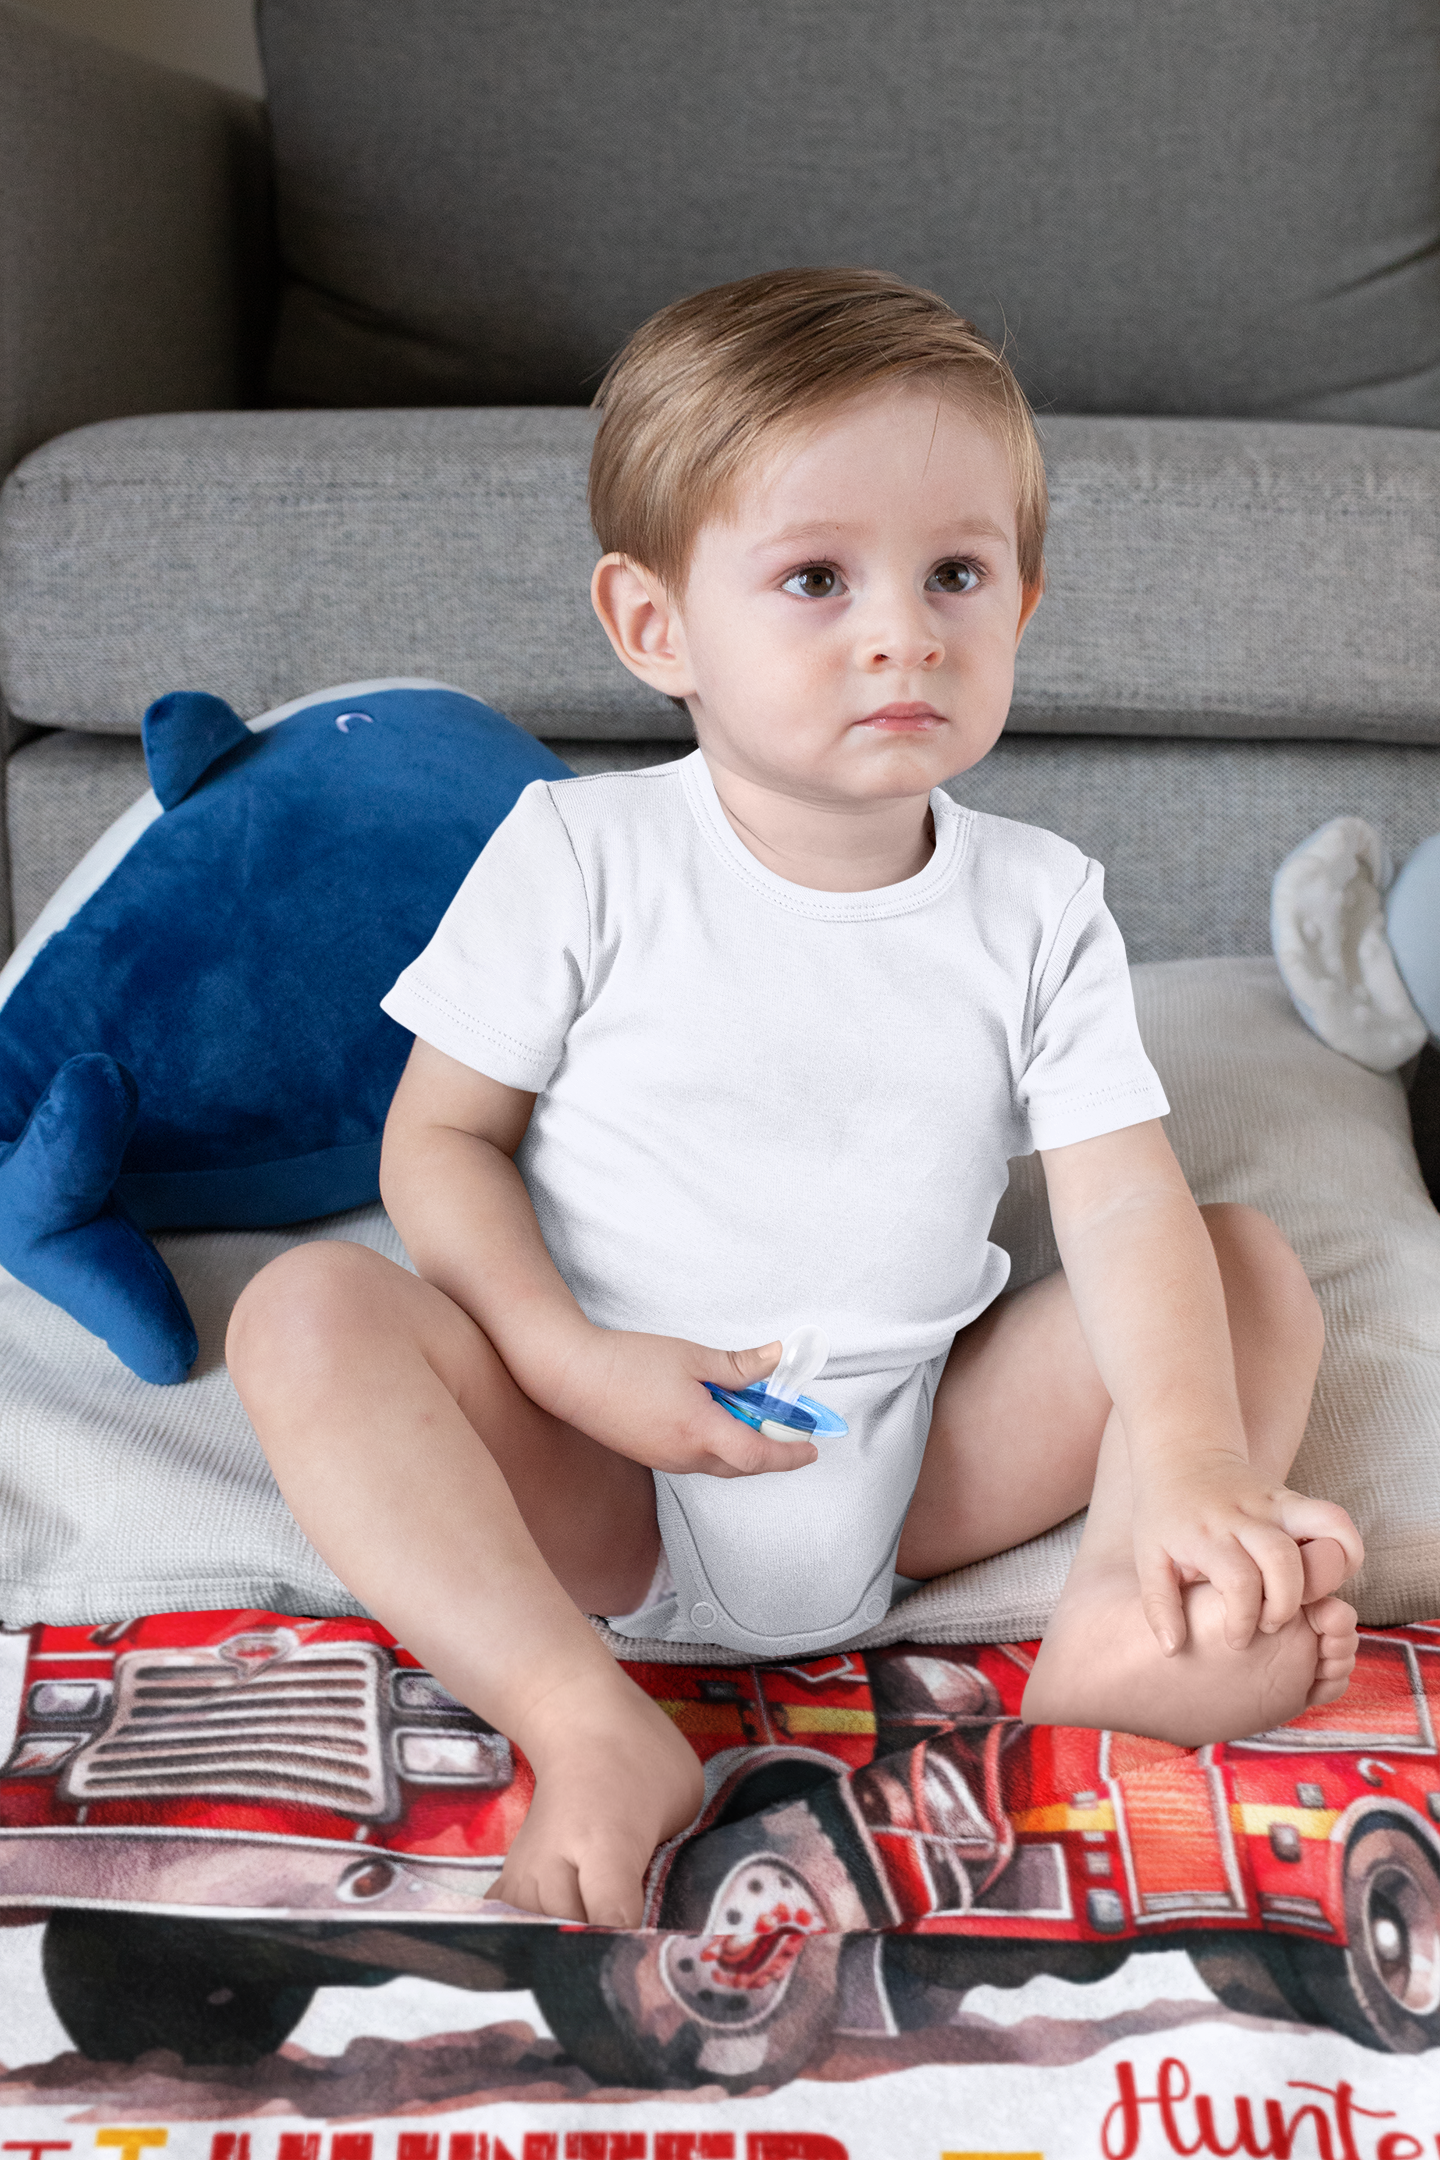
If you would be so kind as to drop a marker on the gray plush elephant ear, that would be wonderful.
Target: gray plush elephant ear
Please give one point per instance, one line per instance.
(1327, 925)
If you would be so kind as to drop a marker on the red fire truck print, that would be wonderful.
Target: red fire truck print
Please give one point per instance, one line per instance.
(219, 1813)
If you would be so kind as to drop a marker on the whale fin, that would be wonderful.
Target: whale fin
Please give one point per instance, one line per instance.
(63, 1234)
(183, 734)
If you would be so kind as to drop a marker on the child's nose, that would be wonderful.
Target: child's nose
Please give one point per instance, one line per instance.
(906, 645)
(901, 632)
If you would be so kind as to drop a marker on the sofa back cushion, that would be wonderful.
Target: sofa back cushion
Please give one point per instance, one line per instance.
(1207, 207)
(1204, 578)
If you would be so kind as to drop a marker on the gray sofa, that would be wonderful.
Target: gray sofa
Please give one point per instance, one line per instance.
(298, 397)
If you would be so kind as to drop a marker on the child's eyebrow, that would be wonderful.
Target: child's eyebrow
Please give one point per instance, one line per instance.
(829, 528)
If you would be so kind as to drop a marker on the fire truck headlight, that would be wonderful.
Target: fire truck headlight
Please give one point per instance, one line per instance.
(1285, 1841)
(1105, 1910)
(64, 1698)
(454, 1758)
(410, 1690)
(36, 1756)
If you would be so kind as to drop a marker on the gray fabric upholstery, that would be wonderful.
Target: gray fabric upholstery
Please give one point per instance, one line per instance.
(1247, 579)
(1223, 578)
(133, 236)
(262, 554)
(1204, 207)
(62, 792)
(1190, 833)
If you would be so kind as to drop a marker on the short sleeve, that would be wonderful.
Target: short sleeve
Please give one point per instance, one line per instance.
(500, 982)
(1087, 1072)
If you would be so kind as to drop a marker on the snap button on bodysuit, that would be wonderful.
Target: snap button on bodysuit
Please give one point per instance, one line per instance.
(702, 1615)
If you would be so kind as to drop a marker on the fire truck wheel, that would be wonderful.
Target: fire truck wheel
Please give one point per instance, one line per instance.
(1253, 1974)
(628, 2009)
(124, 1983)
(1384, 1988)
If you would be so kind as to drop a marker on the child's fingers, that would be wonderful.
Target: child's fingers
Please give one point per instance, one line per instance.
(1242, 1590)
(1160, 1601)
(744, 1451)
(609, 1894)
(1282, 1574)
(553, 1890)
(748, 1452)
(738, 1368)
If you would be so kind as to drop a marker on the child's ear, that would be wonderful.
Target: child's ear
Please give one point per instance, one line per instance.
(1030, 598)
(642, 623)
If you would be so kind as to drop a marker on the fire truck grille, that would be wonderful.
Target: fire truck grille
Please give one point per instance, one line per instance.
(302, 1726)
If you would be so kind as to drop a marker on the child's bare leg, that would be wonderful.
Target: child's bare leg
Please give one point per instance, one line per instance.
(480, 1530)
(1023, 1430)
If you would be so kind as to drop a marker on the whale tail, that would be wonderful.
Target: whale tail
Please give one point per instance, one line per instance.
(63, 1233)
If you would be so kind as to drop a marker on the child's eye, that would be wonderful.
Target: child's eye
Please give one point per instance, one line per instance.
(816, 582)
(953, 577)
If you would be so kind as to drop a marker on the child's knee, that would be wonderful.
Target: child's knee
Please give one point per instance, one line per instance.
(303, 1300)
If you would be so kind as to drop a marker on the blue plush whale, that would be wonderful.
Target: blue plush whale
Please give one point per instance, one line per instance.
(191, 1033)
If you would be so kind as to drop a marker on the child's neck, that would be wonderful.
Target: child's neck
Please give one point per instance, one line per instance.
(829, 846)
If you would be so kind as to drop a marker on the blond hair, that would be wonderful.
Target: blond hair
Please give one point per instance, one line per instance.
(709, 383)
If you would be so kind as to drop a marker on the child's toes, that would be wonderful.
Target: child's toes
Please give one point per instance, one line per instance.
(1323, 1560)
(1336, 1646)
(1336, 1625)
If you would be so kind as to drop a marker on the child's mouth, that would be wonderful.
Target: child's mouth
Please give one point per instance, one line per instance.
(904, 719)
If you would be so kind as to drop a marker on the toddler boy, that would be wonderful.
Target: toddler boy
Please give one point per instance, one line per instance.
(713, 1049)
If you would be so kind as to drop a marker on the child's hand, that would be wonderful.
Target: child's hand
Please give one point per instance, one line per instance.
(1211, 1519)
(643, 1396)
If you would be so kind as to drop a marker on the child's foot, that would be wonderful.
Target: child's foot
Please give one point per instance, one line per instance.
(613, 1779)
(1100, 1665)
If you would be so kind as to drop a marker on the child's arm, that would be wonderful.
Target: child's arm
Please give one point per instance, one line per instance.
(461, 1207)
(1147, 1290)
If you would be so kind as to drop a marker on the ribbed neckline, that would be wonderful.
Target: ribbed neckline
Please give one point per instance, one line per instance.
(952, 824)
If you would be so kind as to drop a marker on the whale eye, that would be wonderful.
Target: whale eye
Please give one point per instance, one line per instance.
(343, 720)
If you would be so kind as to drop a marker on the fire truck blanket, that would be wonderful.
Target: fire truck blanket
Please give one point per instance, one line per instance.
(245, 1862)
(191, 1032)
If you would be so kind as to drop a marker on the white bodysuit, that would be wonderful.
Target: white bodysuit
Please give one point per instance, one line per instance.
(760, 1105)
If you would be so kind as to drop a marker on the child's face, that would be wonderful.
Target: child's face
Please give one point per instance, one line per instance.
(849, 633)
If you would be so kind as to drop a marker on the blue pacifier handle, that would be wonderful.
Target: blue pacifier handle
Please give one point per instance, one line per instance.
(777, 1405)
(755, 1406)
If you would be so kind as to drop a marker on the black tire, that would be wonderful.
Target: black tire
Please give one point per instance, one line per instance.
(1255, 1975)
(124, 1983)
(627, 2010)
(1383, 1989)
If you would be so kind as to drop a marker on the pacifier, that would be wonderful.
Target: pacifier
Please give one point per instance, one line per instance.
(777, 1407)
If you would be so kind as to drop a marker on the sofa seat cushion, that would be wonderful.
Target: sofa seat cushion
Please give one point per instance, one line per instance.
(1193, 573)
(1227, 209)
(121, 1498)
